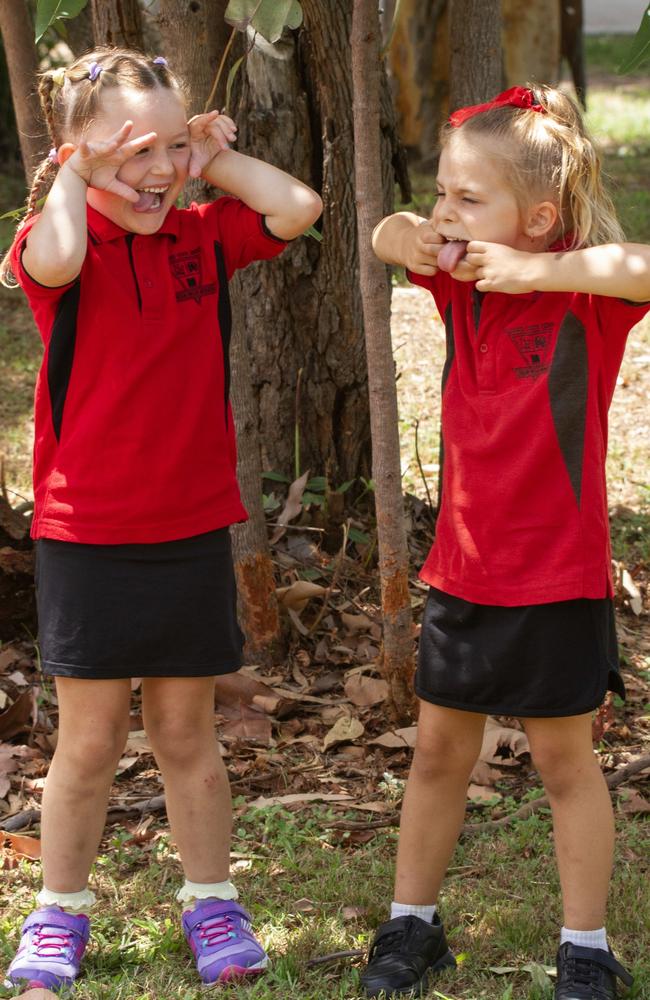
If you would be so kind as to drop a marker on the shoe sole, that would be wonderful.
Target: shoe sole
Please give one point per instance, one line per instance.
(237, 974)
(446, 962)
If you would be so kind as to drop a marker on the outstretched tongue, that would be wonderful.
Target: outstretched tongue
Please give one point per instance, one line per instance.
(148, 200)
(451, 254)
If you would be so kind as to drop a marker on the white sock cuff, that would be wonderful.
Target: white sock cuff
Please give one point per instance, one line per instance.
(71, 902)
(585, 939)
(424, 912)
(191, 891)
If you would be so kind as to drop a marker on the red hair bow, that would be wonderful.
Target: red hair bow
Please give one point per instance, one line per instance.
(516, 97)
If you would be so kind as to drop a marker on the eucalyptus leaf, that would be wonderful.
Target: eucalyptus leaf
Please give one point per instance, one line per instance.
(268, 17)
(640, 48)
(313, 232)
(231, 79)
(48, 12)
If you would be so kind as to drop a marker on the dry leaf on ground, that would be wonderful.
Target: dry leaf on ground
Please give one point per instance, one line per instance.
(298, 594)
(365, 691)
(397, 738)
(344, 730)
(502, 745)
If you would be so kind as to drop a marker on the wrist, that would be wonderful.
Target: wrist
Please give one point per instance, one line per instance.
(68, 169)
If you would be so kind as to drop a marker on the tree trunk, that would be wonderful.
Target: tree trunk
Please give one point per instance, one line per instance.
(79, 31)
(531, 41)
(573, 45)
(304, 311)
(419, 62)
(22, 62)
(476, 72)
(198, 35)
(117, 22)
(397, 655)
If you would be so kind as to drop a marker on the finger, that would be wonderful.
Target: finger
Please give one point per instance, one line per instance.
(199, 122)
(227, 121)
(194, 169)
(476, 246)
(474, 259)
(222, 138)
(123, 191)
(133, 145)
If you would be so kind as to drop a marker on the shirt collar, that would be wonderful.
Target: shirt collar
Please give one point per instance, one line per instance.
(103, 229)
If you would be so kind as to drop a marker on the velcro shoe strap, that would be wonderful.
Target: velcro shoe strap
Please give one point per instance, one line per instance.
(602, 958)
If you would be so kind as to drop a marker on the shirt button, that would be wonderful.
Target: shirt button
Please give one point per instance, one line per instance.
(483, 348)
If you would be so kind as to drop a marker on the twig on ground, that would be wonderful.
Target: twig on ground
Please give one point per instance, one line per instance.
(528, 808)
(336, 956)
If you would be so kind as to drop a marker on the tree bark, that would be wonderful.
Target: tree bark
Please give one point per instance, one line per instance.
(198, 35)
(305, 310)
(419, 62)
(398, 661)
(573, 45)
(22, 62)
(476, 72)
(531, 41)
(117, 22)
(80, 34)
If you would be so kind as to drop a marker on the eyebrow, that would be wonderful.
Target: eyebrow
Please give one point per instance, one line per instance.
(464, 190)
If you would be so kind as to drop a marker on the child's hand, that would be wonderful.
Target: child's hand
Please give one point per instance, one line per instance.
(98, 162)
(498, 268)
(210, 134)
(419, 249)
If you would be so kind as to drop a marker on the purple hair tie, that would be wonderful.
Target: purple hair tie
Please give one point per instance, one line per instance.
(161, 61)
(93, 71)
(53, 155)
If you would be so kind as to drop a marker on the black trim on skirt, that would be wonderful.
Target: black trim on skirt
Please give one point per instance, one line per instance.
(167, 609)
(537, 660)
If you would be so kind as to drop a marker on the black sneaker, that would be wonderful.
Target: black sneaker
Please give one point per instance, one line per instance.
(587, 974)
(404, 955)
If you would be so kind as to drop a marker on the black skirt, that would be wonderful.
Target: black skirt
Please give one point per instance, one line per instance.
(139, 610)
(539, 660)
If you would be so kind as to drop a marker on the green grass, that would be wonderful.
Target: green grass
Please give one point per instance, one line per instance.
(500, 904)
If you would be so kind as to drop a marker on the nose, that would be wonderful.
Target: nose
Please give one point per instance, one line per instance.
(162, 163)
(444, 210)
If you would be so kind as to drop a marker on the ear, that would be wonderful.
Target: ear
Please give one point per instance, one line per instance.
(65, 150)
(541, 219)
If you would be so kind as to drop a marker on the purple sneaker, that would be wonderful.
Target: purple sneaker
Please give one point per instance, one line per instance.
(219, 934)
(51, 949)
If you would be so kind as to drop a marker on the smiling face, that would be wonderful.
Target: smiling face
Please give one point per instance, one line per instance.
(157, 172)
(475, 201)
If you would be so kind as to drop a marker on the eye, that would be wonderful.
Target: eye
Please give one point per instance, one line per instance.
(179, 145)
(145, 149)
(470, 201)
(440, 194)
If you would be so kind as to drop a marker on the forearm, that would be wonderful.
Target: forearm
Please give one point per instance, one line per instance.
(56, 245)
(289, 205)
(388, 237)
(621, 270)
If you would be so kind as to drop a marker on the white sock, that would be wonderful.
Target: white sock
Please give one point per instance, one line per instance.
(413, 910)
(193, 891)
(71, 902)
(585, 939)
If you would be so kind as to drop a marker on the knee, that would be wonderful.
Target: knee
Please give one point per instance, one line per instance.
(91, 751)
(559, 771)
(178, 738)
(439, 758)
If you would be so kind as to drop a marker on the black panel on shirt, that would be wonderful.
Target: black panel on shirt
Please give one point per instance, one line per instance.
(567, 386)
(60, 355)
(225, 319)
(451, 351)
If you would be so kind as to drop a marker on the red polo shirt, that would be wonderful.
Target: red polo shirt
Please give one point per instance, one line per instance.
(525, 392)
(134, 435)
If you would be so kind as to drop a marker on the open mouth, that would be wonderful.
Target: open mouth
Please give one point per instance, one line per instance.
(151, 199)
(451, 254)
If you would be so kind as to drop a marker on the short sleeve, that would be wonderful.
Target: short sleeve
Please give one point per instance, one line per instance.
(439, 284)
(43, 300)
(241, 231)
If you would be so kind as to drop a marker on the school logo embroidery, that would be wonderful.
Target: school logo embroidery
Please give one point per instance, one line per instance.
(186, 268)
(534, 345)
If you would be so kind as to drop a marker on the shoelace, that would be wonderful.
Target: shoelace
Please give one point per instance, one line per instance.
(581, 972)
(53, 943)
(217, 930)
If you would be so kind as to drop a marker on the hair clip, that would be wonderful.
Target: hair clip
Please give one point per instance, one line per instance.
(58, 77)
(93, 71)
(53, 155)
(161, 61)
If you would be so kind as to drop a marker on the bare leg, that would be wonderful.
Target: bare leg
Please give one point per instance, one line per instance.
(93, 725)
(448, 744)
(583, 820)
(179, 720)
